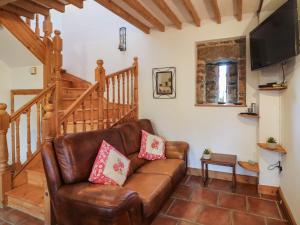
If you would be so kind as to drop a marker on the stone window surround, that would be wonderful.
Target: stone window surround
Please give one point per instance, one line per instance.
(238, 57)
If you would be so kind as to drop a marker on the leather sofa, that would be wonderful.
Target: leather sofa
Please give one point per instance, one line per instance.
(68, 161)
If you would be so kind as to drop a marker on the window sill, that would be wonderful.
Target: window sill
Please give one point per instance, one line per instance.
(219, 105)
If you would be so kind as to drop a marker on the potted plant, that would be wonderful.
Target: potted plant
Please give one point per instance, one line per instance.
(271, 143)
(206, 154)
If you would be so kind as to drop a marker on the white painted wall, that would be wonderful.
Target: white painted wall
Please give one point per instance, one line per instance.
(92, 33)
(290, 111)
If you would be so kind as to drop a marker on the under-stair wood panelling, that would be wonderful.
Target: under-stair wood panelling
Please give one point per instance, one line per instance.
(24, 34)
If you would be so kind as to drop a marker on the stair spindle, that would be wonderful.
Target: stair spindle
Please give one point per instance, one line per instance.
(131, 88)
(13, 142)
(29, 152)
(37, 25)
(113, 100)
(123, 94)
(92, 112)
(107, 102)
(83, 117)
(38, 111)
(18, 150)
(127, 87)
(48, 65)
(119, 96)
(74, 122)
(136, 96)
(28, 22)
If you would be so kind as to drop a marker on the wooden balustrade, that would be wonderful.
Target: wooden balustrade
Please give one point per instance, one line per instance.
(111, 99)
(19, 132)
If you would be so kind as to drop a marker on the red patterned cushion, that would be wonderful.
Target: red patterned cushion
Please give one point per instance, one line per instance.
(152, 147)
(110, 166)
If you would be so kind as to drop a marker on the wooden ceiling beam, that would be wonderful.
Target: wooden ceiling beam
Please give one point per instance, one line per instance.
(239, 9)
(53, 4)
(124, 14)
(5, 2)
(77, 3)
(162, 5)
(216, 10)
(31, 7)
(192, 11)
(18, 11)
(137, 6)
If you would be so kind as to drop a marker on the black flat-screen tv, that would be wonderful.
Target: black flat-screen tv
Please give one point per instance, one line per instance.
(276, 39)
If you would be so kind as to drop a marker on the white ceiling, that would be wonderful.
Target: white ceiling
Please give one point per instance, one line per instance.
(203, 8)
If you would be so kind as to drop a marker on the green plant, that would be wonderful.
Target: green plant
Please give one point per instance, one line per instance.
(271, 140)
(206, 151)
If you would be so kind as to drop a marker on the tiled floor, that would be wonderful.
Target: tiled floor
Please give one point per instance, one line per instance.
(193, 204)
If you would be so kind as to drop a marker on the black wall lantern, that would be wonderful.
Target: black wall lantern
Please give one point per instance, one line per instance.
(122, 44)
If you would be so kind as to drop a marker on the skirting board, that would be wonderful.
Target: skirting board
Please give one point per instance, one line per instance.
(285, 208)
(224, 176)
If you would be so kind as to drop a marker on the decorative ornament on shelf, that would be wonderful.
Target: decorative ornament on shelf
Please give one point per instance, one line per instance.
(271, 143)
(122, 43)
(206, 154)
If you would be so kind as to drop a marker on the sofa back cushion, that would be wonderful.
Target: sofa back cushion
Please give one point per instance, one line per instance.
(146, 125)
(77, 152)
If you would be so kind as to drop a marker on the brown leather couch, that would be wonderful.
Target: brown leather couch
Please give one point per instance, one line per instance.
(68, 162)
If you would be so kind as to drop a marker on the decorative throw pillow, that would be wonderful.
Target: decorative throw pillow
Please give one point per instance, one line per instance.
(152, 147)
(110, 166)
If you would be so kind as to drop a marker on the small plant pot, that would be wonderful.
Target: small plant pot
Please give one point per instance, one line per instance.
(272, 145)
(206, 156)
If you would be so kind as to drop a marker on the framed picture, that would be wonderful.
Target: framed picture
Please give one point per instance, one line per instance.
(164, 82)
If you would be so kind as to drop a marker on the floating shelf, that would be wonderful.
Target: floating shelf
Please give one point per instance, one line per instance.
(249, 115)
(248, 166)
(278, 149)
(272, 88)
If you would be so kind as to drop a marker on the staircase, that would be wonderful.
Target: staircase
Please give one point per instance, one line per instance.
(66, 105)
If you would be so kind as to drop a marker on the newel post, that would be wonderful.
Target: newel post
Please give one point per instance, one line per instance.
(136, 86)
(47, 28)
(49, 133)
(100, 77)
(57, 47)
(5, 173)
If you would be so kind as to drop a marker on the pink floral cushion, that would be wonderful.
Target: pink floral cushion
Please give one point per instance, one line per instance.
(152, 147)
(110, 166)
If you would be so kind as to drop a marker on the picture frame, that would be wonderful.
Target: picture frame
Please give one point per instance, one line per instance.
(164, 82)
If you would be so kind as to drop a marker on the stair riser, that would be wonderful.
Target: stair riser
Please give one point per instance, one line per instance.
(36, 178)
(28, 208)
(67, 83)
(72, 93)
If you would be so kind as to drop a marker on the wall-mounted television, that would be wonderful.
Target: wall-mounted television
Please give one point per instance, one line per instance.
(276, 39)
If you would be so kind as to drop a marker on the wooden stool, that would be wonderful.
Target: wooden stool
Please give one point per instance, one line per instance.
(220, 160)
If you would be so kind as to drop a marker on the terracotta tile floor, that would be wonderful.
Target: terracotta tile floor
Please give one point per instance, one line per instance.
(193, 204)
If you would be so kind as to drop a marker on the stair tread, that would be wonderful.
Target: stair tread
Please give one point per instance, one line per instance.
(28, 193)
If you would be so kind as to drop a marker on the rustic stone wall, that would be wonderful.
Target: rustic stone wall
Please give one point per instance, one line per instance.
(208, 53)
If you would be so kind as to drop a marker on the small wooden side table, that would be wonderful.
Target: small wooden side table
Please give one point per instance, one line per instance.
(220, 160)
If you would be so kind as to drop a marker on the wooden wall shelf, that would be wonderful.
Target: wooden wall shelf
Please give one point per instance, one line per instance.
(278, 149)
(272, 88)
(254, 116)
(248, 166)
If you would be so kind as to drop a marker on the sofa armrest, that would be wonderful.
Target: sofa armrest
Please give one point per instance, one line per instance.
(105, 204)
(177, 150)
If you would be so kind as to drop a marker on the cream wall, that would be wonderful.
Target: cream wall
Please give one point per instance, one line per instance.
(96, 36)
(290, 111)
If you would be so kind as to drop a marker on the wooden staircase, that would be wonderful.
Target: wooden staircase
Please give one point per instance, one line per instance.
(67, 104)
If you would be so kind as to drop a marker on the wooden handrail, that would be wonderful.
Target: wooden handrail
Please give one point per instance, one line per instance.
(119, 72)
(29, 104)
(75, 105)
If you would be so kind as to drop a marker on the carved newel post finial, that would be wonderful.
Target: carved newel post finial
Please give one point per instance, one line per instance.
(5, 174)
(100, 74)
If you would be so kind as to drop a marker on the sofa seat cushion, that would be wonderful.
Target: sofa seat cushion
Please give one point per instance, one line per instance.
(153, 189)
(174, 168)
